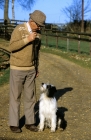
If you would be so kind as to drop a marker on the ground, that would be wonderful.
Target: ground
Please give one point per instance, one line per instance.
(73, 95)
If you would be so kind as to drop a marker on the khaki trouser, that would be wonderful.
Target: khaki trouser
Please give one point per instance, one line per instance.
(21, 80)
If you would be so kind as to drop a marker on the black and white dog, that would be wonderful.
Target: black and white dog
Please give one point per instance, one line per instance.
(48, 108)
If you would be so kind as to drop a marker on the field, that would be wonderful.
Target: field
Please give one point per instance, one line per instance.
(73, 45)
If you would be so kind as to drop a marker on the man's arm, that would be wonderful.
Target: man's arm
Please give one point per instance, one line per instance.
(17, 42)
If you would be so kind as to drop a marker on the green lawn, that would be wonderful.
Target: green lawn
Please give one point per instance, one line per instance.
(62, 44)
(4, 76)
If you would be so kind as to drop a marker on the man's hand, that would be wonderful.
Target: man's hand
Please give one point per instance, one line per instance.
(32, 36)
(37, 74)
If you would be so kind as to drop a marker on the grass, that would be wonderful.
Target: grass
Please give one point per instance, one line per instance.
(73, 46)
(82, 60)
(4, 76)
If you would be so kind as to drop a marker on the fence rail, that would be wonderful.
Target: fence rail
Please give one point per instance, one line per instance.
(68, 36)
(6, 30)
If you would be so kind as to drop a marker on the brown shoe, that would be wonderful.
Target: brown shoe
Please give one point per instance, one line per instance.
(15, 129)
(31, 127)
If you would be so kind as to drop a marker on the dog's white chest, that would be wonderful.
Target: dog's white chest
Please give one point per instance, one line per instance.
(47, 106)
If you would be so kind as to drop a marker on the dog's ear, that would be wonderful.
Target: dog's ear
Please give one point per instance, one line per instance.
(48, 86)
(42, 84)
(54, 89)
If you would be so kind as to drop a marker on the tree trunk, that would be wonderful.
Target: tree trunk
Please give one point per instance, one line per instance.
(13, 13)
(82, 24)
(6, 7)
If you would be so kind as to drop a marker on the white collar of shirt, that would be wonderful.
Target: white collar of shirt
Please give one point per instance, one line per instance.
(29, 28)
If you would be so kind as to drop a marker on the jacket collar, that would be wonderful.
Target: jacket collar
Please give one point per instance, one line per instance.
(28, 27)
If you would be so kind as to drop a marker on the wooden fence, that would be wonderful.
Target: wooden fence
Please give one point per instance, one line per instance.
(68, 36)
(6, 30)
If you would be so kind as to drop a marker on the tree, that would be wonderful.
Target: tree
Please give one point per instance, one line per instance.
(27, 5)
(13, 12)
(82, 25)
(4, 4)
(74, 11)
(6, 8)
(24, 4)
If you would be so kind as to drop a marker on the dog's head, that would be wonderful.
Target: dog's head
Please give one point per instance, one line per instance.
(48, 89)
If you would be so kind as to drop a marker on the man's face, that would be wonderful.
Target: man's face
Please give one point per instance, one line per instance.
(34, 26)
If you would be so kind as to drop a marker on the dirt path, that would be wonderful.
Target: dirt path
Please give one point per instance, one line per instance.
(73, 85)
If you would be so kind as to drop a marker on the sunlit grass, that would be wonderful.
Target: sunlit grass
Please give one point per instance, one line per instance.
(82, 60)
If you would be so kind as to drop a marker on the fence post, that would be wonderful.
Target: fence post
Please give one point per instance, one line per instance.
(46, 39)
(78, 43)
(90, 44)
(67, 42)
(5, 27)
(56, 40)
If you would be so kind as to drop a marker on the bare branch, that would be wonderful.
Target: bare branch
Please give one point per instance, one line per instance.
(74, 11)
(2, 4)
(27, 5)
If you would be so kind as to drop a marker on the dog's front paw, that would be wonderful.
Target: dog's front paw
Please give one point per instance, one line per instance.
(52, 130)
(40, 129)
(61, 129)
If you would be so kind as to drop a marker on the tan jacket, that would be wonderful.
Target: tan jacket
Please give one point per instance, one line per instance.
(22, 51)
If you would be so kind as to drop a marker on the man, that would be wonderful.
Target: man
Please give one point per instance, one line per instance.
(24, 47)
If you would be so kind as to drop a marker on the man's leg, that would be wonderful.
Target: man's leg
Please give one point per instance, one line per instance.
(29, 98)
(16, 84)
